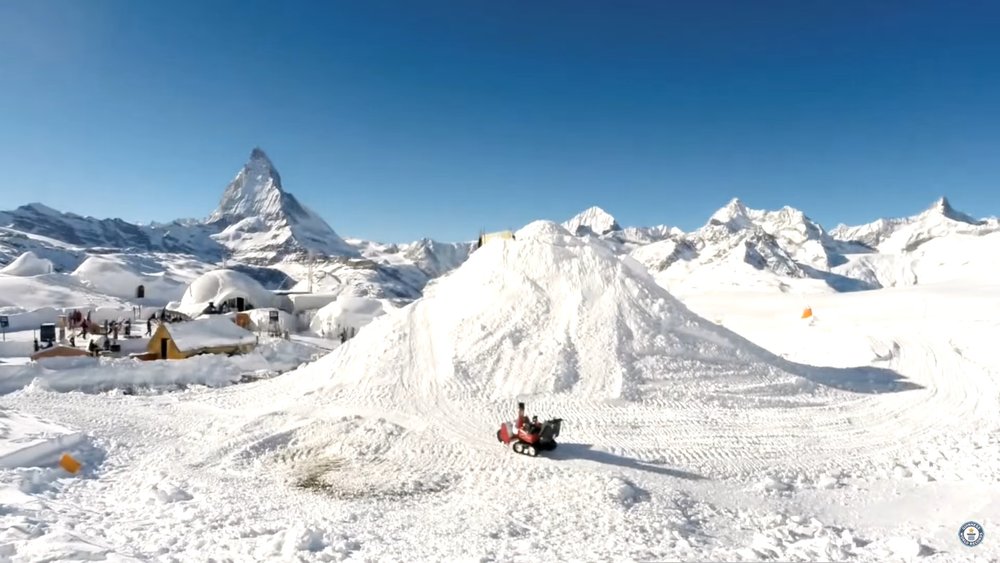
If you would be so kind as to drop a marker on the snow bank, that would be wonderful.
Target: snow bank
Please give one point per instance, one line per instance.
(27, 440)
(219, 286)
(549, 313)
(271, 357)
(62, 291)
(27, 264)
(346, 312)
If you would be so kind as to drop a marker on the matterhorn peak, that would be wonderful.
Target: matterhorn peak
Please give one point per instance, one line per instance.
(259, 217)
(942, 207)
(592, 221)
(255, 192)
(258, 154)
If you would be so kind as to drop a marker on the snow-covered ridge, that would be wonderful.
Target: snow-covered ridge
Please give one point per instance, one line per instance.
(940, 219)
(258, 223)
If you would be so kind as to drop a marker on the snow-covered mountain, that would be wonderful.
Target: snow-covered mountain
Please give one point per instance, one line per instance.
(48, 227)
(258, 226)
(918, 249)
(257, 221)
(264, 229)
(739, 245)
(908, 233)
(592, 221)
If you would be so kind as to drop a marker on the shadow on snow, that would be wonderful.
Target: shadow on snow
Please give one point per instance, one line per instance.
(586, 451)
(863, 379)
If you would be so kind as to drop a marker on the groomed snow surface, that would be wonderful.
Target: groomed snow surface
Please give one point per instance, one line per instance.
(868, 432)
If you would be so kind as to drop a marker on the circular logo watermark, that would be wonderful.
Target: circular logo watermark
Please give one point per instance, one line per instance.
(971, 534)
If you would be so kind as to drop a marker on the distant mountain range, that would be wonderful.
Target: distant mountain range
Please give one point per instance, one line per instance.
(257, 223)
(267, 232)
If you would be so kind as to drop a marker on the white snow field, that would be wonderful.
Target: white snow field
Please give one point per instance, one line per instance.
(868, 433)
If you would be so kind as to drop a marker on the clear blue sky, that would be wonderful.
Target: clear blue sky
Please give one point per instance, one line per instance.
(396, 120)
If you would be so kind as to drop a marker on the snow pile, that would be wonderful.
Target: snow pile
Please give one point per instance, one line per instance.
(115, 276)
(208, 332)
(219, 286)
(346, 312)
(552, 314)
(27, 264)
(267, 359)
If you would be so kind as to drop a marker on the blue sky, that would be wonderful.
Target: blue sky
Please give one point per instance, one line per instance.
(397, 120)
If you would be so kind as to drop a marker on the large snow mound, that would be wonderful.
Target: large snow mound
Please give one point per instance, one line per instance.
(27, 264)
(346, 312)
(120, 276)
(551, 314)
(219, 286)
(21, 294)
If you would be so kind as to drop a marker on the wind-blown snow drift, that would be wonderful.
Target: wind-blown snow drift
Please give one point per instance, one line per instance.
(549, 313)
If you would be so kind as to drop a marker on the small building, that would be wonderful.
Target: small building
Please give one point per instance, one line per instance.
(58, 351)
(499, 235)
(213, 335)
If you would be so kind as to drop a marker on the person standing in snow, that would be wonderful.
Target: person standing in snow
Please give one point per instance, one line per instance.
(149, 326)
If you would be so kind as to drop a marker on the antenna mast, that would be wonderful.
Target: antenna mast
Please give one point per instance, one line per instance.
(311, 257)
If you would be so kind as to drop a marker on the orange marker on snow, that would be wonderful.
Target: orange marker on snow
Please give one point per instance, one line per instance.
(808, 312)
(70, 464)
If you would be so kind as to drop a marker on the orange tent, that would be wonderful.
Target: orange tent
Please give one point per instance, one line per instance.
(808, 312)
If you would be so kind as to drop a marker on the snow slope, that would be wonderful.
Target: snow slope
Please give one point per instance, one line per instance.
(941, 259)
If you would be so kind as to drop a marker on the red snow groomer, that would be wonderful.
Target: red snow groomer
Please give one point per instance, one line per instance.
(529, 437)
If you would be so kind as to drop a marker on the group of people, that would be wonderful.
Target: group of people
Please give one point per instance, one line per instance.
(87, 326)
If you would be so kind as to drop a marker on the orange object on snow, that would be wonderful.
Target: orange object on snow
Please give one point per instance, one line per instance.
(808, 312)
(70, 464)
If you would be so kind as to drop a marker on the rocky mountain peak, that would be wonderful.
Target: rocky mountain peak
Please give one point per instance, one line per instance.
(592, 221)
